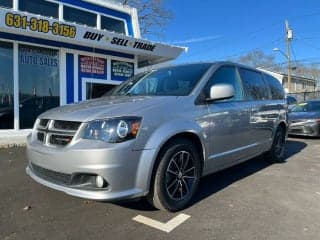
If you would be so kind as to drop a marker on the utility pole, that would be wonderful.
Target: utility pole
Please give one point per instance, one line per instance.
(289, 37)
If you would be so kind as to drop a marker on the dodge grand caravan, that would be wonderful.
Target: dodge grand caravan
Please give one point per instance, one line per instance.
(158, 133)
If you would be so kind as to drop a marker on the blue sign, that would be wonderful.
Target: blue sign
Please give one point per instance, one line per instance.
(121, 71)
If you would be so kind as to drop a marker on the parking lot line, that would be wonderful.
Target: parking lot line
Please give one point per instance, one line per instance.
(166, 227)
(318, 193)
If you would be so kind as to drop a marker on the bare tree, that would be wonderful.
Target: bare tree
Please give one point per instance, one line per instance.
(153, 15)
(314, 71)
(310, 71)
(258, 58)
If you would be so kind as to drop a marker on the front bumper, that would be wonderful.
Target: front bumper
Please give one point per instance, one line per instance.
(94, 195)
(117, 163)
(305, 129)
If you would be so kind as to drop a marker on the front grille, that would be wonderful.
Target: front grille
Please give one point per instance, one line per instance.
(56, 133)
(66, 125)
(40, 136)
(43, 123)
(51, 176)
(296, 131)
(60, 140)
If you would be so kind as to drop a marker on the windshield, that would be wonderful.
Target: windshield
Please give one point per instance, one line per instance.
(307, 107)
(170, 81)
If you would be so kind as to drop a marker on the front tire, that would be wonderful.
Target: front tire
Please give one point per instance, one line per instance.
(177, 176)
(277, 151)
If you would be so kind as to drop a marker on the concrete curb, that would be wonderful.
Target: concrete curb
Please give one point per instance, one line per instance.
(12, 138)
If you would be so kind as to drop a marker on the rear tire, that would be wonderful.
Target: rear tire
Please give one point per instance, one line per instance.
(177, 176)
(277, 151)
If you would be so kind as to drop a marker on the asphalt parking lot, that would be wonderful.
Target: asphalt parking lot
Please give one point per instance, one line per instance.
(254, 200)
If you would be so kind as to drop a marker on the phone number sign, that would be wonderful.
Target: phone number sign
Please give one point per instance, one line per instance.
(33, 25)
(39, 25)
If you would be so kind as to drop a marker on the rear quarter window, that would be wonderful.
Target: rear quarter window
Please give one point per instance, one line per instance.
(275, 87)
(254, 86)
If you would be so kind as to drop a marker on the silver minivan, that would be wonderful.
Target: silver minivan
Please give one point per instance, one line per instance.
(158, 133)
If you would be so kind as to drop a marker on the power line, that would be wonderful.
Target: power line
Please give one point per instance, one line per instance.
(309, 44)
(294, 54)
(254, 49)
(249, 35)
(308, 38)
(238, 54)
(315, 60)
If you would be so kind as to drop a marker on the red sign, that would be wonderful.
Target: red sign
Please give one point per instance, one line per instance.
(92, 66)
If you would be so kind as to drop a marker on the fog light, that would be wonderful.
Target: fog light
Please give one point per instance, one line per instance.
(100, 181)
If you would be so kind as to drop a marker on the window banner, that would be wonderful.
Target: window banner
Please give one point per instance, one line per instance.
(41, 57)
(92, 67)
(121, 71)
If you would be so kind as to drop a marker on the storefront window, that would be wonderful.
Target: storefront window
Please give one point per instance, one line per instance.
(6, 3)
(38, 82)
(112, 25)
(6, 85)
(79, 16)
(41, 7)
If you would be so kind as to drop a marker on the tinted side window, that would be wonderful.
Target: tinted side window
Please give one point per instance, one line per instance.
(41, 7)
(254, 86)
(79, 16)
(226, 75)
(275, 86)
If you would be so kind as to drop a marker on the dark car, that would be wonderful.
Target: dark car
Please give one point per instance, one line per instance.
(304, 119)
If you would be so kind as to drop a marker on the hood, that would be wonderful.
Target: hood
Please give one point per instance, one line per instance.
(106, 107)
(304, 115)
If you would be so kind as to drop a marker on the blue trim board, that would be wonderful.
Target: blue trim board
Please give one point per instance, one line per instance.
(100, 9)
(53, 43)
(79, 82)
(70, 77)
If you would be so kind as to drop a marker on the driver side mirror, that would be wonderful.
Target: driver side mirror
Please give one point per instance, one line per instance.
(220, 92)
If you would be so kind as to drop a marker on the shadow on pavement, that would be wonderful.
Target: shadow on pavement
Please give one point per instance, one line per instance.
(305, 137)
(218, 181)
(140, 204)
(293, 147)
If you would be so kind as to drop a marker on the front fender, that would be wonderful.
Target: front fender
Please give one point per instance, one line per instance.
(157, 140)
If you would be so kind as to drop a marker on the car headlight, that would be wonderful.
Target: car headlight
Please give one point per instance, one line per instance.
(112, 130)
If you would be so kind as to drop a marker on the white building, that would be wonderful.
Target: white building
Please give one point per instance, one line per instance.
(298, 84)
